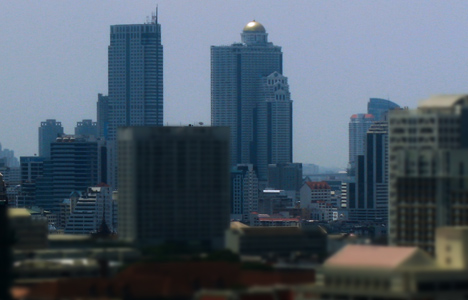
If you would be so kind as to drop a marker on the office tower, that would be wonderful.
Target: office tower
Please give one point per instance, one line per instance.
(135, 81)
(285, 176)
(273, 124)
(102, 115)
(86, 128)
(174, 185)
(9, 157)
(358, 126)
(246, 84)
(74, 165)
(31, 167)
(380, 107)
(244, 192)
(369, 198)
(48, 133)
(428, 159)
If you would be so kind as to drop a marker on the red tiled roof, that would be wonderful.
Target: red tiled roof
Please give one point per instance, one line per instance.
(318, 185)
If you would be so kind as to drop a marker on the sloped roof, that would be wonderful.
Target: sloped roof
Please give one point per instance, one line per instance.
(366, 256)
(441, 101)
(238, 225)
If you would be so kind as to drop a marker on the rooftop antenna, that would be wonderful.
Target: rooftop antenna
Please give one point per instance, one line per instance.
(154, 18)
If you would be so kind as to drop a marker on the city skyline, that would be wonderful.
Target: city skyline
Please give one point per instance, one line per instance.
(339, 56)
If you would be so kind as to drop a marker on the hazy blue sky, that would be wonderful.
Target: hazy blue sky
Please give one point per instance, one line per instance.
(337, 54)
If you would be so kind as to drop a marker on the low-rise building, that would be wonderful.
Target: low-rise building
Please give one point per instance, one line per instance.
(380, 272)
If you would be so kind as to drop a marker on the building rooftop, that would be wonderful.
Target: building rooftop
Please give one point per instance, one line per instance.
(366, 256)
(254, 26)
(18, 212)
(318, 185)
(441, 101)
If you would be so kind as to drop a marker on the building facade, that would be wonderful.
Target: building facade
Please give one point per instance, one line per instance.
(428, 159)
(174, 185)
(86, 128)
(244, 192)
(369, 200)
(74, 165)
(48, 133)
(135, 59)
(380, 107)
(246, 84)
(358, 126)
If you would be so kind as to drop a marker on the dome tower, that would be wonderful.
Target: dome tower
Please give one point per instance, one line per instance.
(254, 34)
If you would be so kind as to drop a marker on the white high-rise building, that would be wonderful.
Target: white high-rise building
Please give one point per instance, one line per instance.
(135, 81)
(246, 81)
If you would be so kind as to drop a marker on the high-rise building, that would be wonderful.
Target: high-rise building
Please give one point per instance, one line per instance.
(102, 115)
(251, 97)
(135, 81)
(369, 198)
(174, 185)
(272, 141)
(74, 165)
(358, 126)
(244, 192)
(380, 107)
(86, 128)
(285, 176)
(31, 167)
(48, 133)
(428, 170)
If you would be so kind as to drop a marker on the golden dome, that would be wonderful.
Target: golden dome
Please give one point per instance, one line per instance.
(254, 26)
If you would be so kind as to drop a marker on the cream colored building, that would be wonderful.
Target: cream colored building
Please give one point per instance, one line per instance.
(361, 272)
(30, 233)
(428, 170)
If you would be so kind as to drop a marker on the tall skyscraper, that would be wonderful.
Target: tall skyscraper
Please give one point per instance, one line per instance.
(428, 165)
(246, 85)
(380, 107)
(174, 185)
(135, 76)
(358, 126)
(48, 133)
(369, 198)
(135, 80)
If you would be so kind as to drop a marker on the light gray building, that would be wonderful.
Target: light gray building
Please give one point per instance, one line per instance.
(174, 185)
(48, 133)
(135, 59)
(428, 170)
(246, 84)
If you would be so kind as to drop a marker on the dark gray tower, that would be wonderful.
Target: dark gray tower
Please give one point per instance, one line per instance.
(238, 75)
